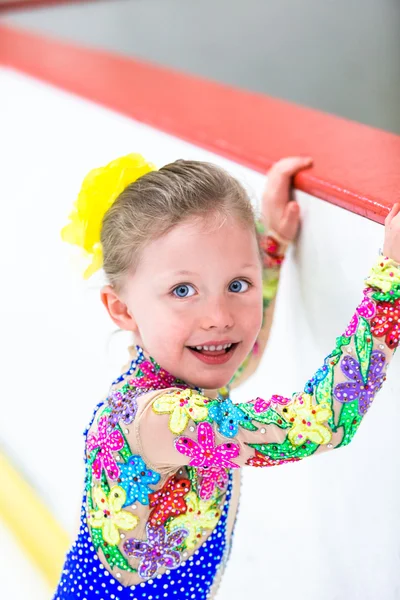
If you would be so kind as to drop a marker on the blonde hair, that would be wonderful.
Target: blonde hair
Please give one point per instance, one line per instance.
(158, 201)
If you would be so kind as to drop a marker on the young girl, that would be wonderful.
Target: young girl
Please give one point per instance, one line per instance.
(193, 276)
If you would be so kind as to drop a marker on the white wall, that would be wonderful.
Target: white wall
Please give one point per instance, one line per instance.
(327, 527)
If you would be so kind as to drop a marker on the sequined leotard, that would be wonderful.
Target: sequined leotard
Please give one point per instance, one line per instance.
(162, 459)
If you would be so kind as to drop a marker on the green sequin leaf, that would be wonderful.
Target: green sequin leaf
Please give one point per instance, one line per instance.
(247, 424)
(112, 554)
(324, 394)
(342, 340)
(350, 420)
(88, 489)
(192, 475)
(115, 558)
(92, 456)
(97, 537)
(364, 345)
(269, 417)
(104, 412)
(104, 483)
(391, 296)
(324, 389)
(285, 450)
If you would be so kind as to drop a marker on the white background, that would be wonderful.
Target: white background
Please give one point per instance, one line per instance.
(325, 528)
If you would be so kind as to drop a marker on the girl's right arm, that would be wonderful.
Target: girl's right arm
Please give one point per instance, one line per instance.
(277, 228)
(189, 428)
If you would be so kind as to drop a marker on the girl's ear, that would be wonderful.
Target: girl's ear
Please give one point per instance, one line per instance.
(117, 309)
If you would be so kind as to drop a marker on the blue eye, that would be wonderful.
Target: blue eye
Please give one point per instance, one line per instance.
(240, 290)
(181, 288)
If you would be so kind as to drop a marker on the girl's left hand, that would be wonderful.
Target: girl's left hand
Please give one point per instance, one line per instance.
(280, 213)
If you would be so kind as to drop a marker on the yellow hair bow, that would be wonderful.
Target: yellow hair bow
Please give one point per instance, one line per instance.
(100, 188)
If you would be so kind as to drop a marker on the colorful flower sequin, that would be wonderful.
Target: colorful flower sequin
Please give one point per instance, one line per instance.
(273, 257)
(261, 405)
(210, 479)
(205, 453)
(384, 275)
(356, 388)
(387, 323)
(169, 501)
(154, 376)
(319, 376)
(227, 416)
(200, 517)
(109, 516)
(123, 406)
(157, 551)
(107, 443)
(182, 406)
(135, 478)
(261, 460)
(307, 419)
(366, 309)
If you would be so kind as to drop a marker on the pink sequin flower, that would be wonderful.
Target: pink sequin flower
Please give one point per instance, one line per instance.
(158, 378)
(366, 309)
(211, 478)
(205, 453)
(262, 405)
(108, 443)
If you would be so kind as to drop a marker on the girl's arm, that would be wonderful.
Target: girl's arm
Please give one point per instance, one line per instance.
(274, 248)
(192, 429)
(277, 228)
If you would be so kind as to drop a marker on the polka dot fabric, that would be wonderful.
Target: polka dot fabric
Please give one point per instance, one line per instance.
(83, 575)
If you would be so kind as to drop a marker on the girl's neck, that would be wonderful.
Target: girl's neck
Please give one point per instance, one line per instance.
(213, 394)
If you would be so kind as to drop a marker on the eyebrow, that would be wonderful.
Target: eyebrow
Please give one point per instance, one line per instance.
(184, 272)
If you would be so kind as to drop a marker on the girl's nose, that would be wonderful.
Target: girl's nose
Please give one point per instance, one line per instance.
(218, 313)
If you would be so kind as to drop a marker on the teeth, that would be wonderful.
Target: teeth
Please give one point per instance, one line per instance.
(212, 348)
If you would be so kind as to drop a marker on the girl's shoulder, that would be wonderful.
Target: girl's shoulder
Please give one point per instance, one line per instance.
(125, 405)
(119, 419)
(126, 417)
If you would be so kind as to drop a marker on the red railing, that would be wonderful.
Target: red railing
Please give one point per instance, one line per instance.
(356, 167)
(13, 5)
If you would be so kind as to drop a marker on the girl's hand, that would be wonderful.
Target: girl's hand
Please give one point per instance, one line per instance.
(281, 214)
(391, 246)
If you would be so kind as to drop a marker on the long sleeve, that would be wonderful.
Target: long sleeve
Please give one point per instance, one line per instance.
(194, 430)
(273, 250)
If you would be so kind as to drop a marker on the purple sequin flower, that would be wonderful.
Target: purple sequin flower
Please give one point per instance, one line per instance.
(124, 407)
(356, 388)
(157, 551)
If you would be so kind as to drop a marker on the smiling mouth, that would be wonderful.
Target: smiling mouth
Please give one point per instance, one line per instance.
(215, 352)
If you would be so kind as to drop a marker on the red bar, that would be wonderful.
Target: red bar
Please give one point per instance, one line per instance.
(13, 5)
(356, 167)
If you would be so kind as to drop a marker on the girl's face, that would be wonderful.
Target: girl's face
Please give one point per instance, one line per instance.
(197, 285)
